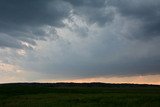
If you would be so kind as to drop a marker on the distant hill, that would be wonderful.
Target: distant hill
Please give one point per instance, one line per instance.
(92, 85)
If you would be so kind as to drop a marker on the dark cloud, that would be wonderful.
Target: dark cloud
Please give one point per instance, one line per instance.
(8, 41)
(23, 19)
(94, 43)
(97, 55)
(89, 3)
(146, 14)
(38, 12)
(94, 11)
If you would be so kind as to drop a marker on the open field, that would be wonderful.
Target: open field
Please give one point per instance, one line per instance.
(78, 95)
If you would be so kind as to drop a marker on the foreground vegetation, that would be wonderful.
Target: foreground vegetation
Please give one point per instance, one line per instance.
(79, 95)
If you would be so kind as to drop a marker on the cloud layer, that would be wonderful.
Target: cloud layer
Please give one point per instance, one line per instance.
(27, 21)
(82, 38)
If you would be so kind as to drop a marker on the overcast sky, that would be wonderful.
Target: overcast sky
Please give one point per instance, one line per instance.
(76, 39)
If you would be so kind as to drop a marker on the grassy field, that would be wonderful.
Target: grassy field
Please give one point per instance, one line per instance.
(18, 95)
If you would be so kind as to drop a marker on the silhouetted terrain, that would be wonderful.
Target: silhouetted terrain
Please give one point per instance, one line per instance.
(93, 84)
(79, 95)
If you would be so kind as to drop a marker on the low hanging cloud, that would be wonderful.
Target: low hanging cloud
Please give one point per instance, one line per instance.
(93, 11)
(95, 37)
(146, 14)
(30, 20)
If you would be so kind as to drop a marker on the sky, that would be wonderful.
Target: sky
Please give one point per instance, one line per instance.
(112, 41)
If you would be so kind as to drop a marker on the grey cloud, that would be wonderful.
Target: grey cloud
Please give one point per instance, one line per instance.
(23, 19)
(97, 55)
(95, 11)
(146, 14)
(96, 15)
(33, 13)
(105, 50)
(7, 41)
(90, 3)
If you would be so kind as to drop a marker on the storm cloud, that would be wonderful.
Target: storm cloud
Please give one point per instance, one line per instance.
(81, 38)
(30, 20)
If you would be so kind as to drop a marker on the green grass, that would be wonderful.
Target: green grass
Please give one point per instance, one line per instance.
(44, 96)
